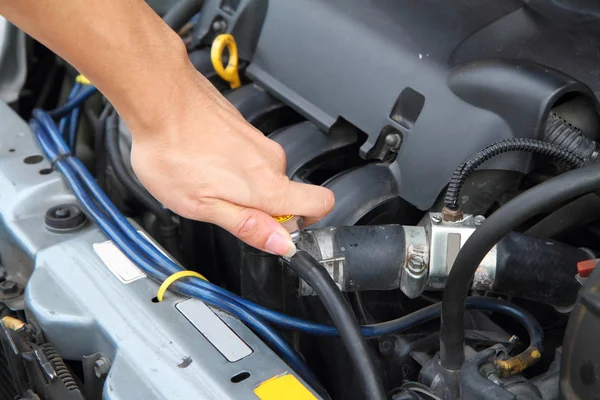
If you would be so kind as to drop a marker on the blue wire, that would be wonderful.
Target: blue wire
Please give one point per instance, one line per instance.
(282, 320)
(82, 96)
(63, 123)
(214, 299)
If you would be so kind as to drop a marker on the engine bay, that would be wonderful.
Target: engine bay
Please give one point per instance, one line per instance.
(460, 139)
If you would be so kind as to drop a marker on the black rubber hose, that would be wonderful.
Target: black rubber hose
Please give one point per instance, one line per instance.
(561, 133)
(182, 12)
(504, 146)
(508, 217)
(168, 227)
(308, 269)
(573, 215)
(538, 269)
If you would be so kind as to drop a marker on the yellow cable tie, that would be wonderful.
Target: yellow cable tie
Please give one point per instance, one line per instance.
(229, 73)
(176, 276)
(82, 80)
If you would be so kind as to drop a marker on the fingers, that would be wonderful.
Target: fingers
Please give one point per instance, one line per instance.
(252, 226)
(310, 201)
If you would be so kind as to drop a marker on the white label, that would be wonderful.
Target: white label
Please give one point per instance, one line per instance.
(118, 262)
(217, 332)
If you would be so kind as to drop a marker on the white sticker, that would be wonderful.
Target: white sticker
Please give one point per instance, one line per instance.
(217, 332)
(118, 262)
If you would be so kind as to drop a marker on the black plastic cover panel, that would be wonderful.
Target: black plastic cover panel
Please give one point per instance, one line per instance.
(407, 64)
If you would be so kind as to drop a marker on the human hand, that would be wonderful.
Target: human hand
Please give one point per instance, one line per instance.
(202, 160)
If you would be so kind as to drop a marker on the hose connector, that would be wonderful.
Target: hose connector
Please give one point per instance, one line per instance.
(518, 363)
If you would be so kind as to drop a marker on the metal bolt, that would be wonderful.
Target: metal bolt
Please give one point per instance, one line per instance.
(9, 287)
(219, 25)
(416, 264)
(393, 140)
(101, 367)
(494, 378)
(387, 346)
(436, 219)
(479, 219)
(62, 212)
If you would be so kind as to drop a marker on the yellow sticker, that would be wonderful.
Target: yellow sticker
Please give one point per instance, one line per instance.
(283, 218)
(281, 387)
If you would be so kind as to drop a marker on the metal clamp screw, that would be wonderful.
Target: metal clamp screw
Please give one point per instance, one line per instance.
(101, 367)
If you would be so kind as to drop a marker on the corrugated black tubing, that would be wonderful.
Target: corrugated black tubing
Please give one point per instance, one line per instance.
(560, 132)
(308, 269)
(518, 144)
(508, 217)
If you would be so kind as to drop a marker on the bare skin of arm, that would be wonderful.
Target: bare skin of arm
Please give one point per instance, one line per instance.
(191, 148)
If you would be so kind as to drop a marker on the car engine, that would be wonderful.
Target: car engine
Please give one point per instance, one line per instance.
(461, 141)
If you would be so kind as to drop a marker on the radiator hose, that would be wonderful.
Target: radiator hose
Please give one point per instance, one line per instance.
(508, 217)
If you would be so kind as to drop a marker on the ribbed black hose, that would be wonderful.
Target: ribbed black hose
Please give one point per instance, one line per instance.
(308, 269)
(508, 217)
(560, 132)
(168, 227)
(181, 13)
(518, 144)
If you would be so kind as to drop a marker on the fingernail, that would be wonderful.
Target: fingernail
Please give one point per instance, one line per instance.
(281, 245)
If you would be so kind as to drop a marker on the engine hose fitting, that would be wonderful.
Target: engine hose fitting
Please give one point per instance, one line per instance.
(560, 132)
(518, 363)
(60, 367)
(518, 144)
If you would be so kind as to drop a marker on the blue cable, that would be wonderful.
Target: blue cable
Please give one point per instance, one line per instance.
(82, 96)
(64, 121)
(212, 298)
(282, 320)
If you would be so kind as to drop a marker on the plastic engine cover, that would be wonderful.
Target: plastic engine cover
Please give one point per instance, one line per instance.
(430, 70)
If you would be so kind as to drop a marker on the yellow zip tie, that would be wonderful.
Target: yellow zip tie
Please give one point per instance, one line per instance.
(176, 276)
(82, 80)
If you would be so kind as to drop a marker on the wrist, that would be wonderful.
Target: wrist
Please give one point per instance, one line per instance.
(147, 100)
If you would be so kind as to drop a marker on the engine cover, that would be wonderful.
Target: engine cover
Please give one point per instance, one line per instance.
(450, 76)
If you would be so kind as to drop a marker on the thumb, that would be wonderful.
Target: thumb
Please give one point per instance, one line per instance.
(252, 226)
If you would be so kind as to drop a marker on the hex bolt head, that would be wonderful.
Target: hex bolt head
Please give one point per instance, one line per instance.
(479, 219)
(393, 140)
(9, 287)
(62, 212)
(219, 25)
(436, 219)
(387, 345)
(101, 367)
(416, 264)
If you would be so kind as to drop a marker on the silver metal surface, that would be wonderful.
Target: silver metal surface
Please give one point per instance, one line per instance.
(445, 240)
(334, 265)
(214, 330)
(83, 308)
(414, 274)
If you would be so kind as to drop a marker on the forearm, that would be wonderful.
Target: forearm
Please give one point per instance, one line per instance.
(122, 46)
